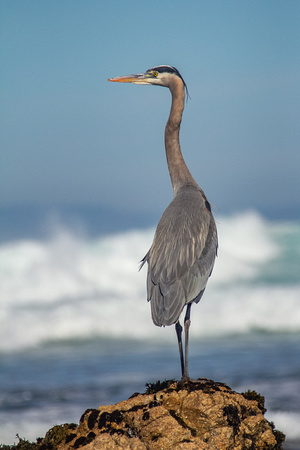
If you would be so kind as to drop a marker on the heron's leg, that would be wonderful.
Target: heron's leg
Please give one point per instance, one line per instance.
(187, 323)
(178, 329)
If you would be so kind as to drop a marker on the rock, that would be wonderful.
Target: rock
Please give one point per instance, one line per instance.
(199, 414)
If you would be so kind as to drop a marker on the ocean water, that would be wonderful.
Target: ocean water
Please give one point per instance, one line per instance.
(76, 330)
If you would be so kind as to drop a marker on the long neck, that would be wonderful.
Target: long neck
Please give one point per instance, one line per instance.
(179, 172)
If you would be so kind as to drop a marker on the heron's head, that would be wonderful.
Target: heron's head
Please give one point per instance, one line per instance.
(159, 76)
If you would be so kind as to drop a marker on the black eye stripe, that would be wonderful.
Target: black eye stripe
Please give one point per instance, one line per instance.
(169, 69)
(161, 69)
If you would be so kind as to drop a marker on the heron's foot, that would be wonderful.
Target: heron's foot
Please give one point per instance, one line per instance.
(193, 380)
(185, 379)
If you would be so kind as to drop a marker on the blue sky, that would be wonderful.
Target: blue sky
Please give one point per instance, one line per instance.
(69, 137)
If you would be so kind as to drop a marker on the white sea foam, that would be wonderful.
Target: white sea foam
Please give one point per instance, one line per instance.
(34, 423)
(71, 287)
(287, 422)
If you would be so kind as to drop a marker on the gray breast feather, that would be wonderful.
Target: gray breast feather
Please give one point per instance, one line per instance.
(181, 257)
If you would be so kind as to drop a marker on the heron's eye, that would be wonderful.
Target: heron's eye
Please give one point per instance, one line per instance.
(155, 74)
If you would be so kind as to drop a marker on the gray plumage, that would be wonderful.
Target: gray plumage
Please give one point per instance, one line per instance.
(182, 255)
(184, 248)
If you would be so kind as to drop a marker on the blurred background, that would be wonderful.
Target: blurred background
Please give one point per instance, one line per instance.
(84, 181)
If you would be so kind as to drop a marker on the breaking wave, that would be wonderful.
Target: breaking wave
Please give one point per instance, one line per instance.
(73, 287)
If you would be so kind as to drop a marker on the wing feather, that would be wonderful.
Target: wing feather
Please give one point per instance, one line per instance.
(182, 255)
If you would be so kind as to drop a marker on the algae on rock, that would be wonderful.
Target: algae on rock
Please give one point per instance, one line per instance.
(199, 414)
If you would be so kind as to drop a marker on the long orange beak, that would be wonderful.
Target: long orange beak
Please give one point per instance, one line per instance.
(139, 78)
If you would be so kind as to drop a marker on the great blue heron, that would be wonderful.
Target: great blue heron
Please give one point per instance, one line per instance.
(184, 248)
